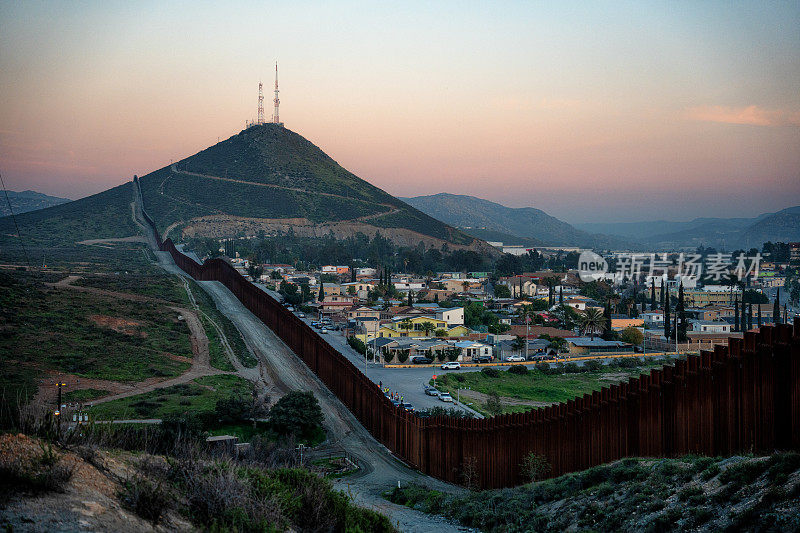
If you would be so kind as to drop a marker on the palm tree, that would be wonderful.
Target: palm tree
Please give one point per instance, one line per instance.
(465, 285)
(428, 327)
(406, 324)
(593, 322)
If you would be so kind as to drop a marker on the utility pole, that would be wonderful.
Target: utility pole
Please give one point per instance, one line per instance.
(58, 407)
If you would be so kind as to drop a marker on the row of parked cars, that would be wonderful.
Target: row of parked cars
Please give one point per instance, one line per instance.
(443, 396)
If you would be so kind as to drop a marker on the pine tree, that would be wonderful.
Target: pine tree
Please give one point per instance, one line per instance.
(663, 296)
(759, 315)
(736, 314)
(653, 296)
(776, 308)
(749, 317)
(560, 295)
(410, 299)
(666, 312)
(607, 315)
(321, 291)
(680, 316)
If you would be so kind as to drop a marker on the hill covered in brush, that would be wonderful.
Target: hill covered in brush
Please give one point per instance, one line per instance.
(270, 179)
(477, 216)
(24, 201)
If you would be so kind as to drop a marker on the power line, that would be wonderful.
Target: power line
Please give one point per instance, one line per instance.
(14, 218)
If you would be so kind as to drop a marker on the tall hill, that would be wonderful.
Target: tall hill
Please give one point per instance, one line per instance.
(470, 212)
(270, 179)
(265, 180)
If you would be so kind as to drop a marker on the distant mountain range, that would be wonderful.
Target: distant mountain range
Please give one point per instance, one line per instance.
(533, 227)
(728, 233)
(493, 221)
(24, 201)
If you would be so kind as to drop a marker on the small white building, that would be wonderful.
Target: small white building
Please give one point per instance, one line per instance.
(453, 316)
(653, 318)
(471, 350)
(710, 326)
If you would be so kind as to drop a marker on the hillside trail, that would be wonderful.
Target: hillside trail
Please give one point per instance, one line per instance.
(391, 208)
(379, 470)
(201, 356)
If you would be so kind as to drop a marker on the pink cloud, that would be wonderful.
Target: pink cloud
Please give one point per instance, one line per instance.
(752, 115)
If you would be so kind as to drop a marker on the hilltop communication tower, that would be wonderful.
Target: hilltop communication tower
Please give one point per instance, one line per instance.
(260, 104)
(276, 118)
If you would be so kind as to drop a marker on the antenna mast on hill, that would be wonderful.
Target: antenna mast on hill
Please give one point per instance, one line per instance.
(276, 118)
(260, 104)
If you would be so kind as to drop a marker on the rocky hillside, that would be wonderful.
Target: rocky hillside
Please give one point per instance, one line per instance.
(83, 487)
(687, 494)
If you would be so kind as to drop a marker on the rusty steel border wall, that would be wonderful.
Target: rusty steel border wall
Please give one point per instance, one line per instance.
(741, 398)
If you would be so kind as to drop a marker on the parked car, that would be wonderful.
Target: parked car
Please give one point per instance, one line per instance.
(421, 360)
(430, 391)
(301, 315)
(515, 358)
(408, 407)
(483, 359)
(451, 365)
(445, 397)
(323, 331)
(290, 309)
(396, 403)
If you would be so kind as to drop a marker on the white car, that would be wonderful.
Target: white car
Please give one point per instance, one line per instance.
(451, 365)
(301, 315)
(323, 331)
(445, 397)
(515, 358)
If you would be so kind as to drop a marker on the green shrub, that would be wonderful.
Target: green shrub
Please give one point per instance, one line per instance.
(518, 369)
(297, 413)
(490, 372)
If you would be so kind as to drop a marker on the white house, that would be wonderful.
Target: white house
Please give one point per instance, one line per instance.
(473, 350)
(653, 318)
(453, 316)
(710, 326)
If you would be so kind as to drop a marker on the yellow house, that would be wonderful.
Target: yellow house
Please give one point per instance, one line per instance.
(394, 331)
(458, 331)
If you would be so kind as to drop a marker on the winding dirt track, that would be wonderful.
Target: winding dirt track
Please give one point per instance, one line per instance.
(201, 357)
(391, 209)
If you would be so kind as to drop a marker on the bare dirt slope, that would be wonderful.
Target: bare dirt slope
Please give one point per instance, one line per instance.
(89, 501)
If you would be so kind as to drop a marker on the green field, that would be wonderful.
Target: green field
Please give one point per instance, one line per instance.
(536, 386)
(71, 332)
(155, 284)
(198, 397)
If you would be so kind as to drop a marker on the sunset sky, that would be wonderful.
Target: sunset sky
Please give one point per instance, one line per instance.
(607, 111)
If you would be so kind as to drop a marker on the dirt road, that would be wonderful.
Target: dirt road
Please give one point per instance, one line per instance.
(379, 469)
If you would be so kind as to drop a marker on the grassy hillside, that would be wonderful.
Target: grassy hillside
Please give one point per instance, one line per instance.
(51, 235)
(468, 211)
(272, 172)
(687, 494)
